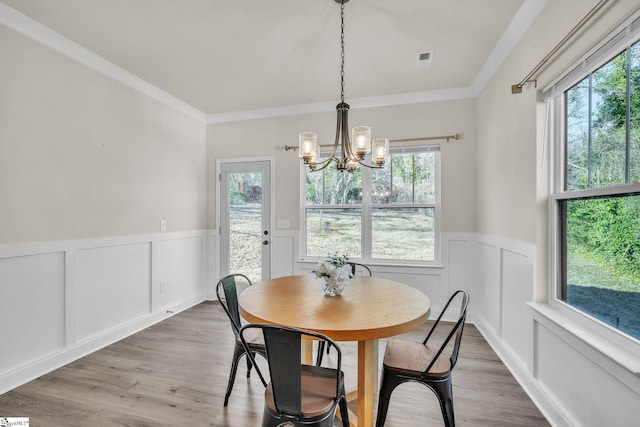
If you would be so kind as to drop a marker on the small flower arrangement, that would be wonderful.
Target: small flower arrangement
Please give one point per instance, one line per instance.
(335, 274)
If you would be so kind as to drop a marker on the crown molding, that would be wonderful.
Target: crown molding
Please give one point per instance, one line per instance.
(323, 107)
(21, 23)
(524, 17)
(42, 34)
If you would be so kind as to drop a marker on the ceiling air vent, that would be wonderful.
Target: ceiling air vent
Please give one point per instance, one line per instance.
(423, 59)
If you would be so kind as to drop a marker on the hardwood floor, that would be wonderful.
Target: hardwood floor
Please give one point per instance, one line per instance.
(175, 374)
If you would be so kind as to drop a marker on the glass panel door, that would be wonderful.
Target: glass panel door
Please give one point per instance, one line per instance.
(245, 219)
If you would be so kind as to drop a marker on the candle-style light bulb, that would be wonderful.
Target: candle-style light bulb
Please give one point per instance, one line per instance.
(307, 146)
(361, 141)
(380, 151)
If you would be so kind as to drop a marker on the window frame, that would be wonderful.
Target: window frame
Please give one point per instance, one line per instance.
(619, 40)
(367, 206)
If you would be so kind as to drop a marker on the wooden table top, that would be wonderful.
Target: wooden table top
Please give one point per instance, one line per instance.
(369, 307)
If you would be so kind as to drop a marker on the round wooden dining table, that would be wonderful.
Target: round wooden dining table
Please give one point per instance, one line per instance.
(368, 309)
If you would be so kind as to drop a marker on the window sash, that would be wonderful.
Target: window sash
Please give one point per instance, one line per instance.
(367, 206)
(624, 37)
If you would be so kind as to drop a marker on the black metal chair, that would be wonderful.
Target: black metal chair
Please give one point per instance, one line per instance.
(297, 394)
(425, 363)
(228, 297)
(357, 269)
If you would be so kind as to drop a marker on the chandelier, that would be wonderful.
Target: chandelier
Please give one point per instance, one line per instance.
(352, 151)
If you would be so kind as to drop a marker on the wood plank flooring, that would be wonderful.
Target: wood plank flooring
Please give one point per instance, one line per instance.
(175, 374)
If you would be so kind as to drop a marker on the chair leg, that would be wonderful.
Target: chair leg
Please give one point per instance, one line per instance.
(237, 353)
(344, 411)
(270, 420)
(320, 353)
(444, 392)
(249, 365)
(388, 384)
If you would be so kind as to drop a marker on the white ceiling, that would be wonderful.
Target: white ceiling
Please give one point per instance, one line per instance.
(229, 56)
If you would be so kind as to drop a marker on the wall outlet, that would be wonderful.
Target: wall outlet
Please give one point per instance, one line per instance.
(163, 225)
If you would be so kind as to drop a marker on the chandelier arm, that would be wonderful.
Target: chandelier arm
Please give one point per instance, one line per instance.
(347, 159)
(338, 130)
(347, 154)
(361, 162)
(324, 164)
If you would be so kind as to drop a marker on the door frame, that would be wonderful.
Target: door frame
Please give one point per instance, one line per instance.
(271, 160)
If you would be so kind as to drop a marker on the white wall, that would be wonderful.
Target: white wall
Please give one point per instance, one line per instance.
(88, 169)
(82, 155)
(267, 137)
(576, 378)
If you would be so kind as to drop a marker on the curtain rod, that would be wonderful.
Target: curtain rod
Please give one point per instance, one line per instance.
(447, 138)
(517, 88)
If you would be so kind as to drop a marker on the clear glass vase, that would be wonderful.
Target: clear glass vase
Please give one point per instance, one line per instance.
(331, 286)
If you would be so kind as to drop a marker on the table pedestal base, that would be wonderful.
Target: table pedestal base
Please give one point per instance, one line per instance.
(367, 381)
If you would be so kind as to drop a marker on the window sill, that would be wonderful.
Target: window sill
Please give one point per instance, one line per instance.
(598, 343)
(383, 264)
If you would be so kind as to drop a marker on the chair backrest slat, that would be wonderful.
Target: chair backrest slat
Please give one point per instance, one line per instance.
(456, 330)
(284, 355)
(359, 269)
(228, 296)
(283, 348)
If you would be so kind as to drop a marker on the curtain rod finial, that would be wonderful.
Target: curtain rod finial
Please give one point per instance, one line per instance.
(517, 88)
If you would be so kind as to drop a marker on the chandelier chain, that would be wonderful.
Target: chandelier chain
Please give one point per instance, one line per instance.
(345, 155)
(342, 51)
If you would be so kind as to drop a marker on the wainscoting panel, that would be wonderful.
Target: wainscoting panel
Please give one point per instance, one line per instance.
(504, 273)
(66, 299)
(589, 396)
(32, 301)
(113, 287)
(426, 280)
(459, 263)
(489, 301)
(517, 291)
(211, 262)
(283, 253)
(179, 270)
(62, 300)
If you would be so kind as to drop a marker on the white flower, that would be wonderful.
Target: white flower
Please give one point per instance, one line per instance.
(336, 268)
(335, 274)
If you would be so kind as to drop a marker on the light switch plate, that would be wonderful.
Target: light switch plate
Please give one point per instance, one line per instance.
(283, 223)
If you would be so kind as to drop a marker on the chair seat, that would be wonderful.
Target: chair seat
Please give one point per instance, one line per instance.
(406, 361)
(318, 391)
(413, 358)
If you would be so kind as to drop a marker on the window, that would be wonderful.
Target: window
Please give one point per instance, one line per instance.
(388, 214)
(596, 198)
